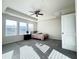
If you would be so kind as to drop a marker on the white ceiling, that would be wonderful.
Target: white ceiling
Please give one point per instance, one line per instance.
(48, 7)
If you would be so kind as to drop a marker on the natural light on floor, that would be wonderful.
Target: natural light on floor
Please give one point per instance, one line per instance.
(8, 55)
(57, 55)
(27, 52)
(43, 47)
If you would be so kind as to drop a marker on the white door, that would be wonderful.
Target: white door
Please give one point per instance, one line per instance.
(68, 33)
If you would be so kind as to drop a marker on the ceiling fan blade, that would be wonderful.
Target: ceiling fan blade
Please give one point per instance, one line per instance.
(40, 14)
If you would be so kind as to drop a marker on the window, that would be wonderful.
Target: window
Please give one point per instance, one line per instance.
(11, 28)
(22, 28)
(30, 27)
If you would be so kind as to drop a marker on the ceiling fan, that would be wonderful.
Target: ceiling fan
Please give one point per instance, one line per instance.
(36, 12)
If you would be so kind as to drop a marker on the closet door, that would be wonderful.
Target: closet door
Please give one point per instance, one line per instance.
(68, 31)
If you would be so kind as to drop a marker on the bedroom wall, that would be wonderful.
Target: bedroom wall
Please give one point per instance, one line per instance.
(50, 26)
(10, 39)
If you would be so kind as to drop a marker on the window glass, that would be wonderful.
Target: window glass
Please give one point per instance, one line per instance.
(11, 28)
(22, 28)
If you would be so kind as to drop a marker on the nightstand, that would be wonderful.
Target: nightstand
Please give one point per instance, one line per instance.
(27, 36)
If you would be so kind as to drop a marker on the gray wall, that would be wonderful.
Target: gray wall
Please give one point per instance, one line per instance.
(10, 39)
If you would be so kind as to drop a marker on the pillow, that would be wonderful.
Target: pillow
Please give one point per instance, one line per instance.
(40, 33)
(34, 31)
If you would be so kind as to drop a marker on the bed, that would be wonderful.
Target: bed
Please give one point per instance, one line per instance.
(40, 36)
